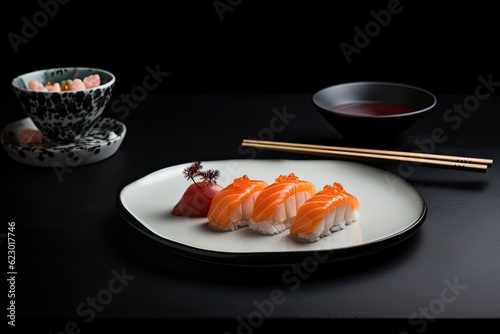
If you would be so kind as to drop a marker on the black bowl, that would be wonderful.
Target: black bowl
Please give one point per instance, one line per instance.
(399, 107)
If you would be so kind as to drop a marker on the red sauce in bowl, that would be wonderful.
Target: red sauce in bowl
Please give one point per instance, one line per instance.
(372, 109)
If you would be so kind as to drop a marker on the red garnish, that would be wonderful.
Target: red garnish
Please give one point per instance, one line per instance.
(192, 171)
(209, 176)
(334, 189)
(241, 182)
(286, 178)
(195, 170)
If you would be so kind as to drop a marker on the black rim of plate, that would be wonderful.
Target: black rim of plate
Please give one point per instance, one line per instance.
(271, 259)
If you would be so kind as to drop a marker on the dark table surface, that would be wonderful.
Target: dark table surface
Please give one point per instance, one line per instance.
(72, 244)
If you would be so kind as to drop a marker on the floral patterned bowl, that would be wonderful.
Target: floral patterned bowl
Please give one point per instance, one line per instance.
(68, 115)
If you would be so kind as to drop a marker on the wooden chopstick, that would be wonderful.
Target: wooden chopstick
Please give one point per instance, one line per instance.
(437, 160)
(452, 158)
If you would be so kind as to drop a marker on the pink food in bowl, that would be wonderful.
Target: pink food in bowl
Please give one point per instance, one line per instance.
(90, 81)
(77, 84)
(29, 136)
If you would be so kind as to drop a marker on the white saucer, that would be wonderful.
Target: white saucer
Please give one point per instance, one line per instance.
(102, 142)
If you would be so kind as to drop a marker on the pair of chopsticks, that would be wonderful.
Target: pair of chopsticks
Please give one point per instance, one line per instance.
(424, 159)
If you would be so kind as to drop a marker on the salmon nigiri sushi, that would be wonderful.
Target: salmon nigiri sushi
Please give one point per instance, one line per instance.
(232, 207)
(329, 210)
(277, 204)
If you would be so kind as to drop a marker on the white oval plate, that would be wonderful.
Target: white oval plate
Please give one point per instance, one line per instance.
(390, 211)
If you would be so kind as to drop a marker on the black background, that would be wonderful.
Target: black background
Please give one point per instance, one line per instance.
(258, 47)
